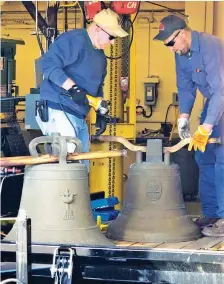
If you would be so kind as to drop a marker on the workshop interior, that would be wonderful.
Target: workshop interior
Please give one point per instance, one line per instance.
(141, 195)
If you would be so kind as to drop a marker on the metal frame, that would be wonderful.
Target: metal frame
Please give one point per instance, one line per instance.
(134, 265)
(22, 248)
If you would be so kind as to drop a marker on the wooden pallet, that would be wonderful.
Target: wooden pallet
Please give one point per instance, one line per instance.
(205, 243)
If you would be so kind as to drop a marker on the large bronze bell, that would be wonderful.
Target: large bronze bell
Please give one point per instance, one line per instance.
(56, 198)
(153, 208)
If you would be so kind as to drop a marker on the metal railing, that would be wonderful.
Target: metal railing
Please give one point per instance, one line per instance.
(23, 248)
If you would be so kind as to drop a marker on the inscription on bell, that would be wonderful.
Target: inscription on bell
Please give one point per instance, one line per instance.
(153, 190)
(68, 198)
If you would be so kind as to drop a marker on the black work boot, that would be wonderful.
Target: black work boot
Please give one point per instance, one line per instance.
(203, 221)
(217, 230)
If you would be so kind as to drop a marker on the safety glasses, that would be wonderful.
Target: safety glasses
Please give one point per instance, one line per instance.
(172, 41)
(110, 36)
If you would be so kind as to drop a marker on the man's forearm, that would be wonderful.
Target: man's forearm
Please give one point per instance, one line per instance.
(184, 115)
(68, 84)
(207, 127)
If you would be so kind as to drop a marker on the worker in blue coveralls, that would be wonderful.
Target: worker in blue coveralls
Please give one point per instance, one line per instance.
(74, 66)
(200, 65)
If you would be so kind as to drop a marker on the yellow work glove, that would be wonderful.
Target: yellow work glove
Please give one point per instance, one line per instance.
(199, 140)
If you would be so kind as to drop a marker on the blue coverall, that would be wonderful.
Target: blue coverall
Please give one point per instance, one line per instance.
(203, 69)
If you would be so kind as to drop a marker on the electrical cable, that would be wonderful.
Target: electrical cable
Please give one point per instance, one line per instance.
(62, 108)
(40, 44)
(149, 132)
(167, 111)
(168, 9)
(143, 111)
(132, 35)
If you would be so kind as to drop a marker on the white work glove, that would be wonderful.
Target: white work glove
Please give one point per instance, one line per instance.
(183, 124)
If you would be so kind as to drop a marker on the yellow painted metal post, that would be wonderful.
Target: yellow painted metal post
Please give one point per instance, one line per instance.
(106, 174)
(132, 79)
(219, 19)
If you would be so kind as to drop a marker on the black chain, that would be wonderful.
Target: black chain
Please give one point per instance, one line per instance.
(125, 42)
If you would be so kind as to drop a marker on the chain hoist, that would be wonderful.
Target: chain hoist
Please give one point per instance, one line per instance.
(113, 112)
(125, 43)
(110, 125)
(114, 85)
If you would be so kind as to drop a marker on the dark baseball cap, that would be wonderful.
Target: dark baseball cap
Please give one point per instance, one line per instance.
(168, 25)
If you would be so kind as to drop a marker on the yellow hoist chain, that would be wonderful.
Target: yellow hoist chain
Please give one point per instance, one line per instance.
(113, 106)
(114, 85)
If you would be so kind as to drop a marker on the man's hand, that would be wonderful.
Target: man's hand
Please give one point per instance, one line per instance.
(183, 124)
(78, 95)
(101, 106)
(200, 139)
(102, 121)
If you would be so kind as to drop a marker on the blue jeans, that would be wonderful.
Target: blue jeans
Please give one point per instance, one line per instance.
(58, 122)
(211, 173)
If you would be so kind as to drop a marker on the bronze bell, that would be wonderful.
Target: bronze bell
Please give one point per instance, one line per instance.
(153, 208)
(56, 198)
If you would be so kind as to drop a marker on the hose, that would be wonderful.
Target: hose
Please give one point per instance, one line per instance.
(132, 147)
(11, 280)
(186, 141)
(119, 139)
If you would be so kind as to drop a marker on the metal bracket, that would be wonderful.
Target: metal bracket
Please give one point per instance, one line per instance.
(154, 153)
(62, 266)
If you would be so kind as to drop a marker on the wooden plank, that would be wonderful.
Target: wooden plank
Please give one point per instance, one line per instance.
(222, 246)
(204, 243)
(144, 245)
(219, 247)
(170, 246)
